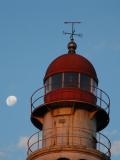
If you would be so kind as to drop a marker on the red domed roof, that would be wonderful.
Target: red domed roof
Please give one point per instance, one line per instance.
(71, 63)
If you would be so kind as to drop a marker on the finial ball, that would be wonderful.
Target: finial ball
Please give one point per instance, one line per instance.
(72, 47)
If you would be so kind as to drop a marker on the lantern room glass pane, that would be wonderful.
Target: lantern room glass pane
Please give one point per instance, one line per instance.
(93, 86)
(47, 87)
(85, 82)
(56, 81)
(70, 79)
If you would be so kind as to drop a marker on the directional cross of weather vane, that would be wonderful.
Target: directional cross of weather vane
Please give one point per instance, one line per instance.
(72, 34)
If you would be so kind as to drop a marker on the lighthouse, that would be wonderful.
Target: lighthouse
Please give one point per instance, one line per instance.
(69, 111)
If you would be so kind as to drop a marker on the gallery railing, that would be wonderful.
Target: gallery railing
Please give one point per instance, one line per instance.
(102, 98)
(102, 143)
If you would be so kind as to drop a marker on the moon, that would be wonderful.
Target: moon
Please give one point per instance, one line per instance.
(11, 100)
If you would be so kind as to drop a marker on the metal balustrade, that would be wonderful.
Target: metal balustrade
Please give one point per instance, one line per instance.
(102, 143)
(103, 100)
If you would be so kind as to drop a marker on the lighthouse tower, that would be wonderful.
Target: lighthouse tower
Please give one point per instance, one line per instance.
(69, 112)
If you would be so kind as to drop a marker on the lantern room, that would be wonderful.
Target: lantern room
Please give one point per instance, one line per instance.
(70, 77)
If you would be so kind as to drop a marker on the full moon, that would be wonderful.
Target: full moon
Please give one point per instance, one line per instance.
(11, 100)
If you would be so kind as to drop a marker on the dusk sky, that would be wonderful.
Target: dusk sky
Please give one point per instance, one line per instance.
(31, 36)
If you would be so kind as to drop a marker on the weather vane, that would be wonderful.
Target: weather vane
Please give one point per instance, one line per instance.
(72, 34)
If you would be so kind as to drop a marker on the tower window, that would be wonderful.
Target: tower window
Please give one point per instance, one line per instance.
(93, 86)
(56, 81)
(70, 79)
(84, 82)
(48, 85)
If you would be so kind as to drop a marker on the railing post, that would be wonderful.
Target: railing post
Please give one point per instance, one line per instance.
(45, 89)
(31, 104)
(99, 141)
(100, 98)
(38, 140)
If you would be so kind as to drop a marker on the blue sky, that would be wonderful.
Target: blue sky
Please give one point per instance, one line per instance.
(31, 37)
